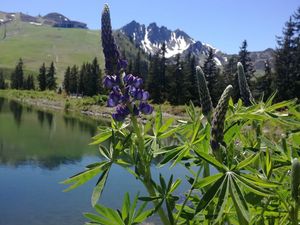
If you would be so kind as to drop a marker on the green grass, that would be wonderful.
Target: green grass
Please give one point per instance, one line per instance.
(38, 44)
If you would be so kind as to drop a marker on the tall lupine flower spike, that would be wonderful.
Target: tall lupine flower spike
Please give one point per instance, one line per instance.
(218, 122)
(204, 95)
(295, 181)
(243, 85)
(110, 49)
(126, 93)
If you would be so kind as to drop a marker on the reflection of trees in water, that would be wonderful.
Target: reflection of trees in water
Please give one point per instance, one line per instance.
(70, 121)
(29, 109)
(1, 104)
(40, 117)
(17, 110)
(84, 126)
(53, 162)
(49, 117)
(87, 127)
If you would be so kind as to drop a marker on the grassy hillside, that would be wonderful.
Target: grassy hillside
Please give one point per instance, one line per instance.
(65, 47)
(38, 44)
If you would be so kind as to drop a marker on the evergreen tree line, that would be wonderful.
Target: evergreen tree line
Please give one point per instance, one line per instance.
(18, 79)
(86, 81)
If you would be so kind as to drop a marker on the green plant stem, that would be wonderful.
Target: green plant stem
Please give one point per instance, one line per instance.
(295, 214)
(147, 181)
(187, 197)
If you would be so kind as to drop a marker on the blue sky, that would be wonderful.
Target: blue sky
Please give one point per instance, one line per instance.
(221, 23)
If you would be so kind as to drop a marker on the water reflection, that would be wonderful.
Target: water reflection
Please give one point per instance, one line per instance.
(17, 110)
(28, 136)
(1, 103)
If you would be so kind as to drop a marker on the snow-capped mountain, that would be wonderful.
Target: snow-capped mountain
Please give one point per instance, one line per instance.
(151, 38)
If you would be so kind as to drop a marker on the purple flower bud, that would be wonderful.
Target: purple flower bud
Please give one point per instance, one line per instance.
(123, 109)
(118, 117)
(145, 108)
(145, 95)
(137, 82)
(132, 91)
(128, 79)
(138, 95)
(114, 99)
(108, 81)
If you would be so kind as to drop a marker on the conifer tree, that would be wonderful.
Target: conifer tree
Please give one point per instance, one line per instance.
(66, 82)
(191, 83)
(212, 74)
(285, 70)
(81, 85)
(230, 76)
(42, 78)
(73, 80)
(2, 81)
(17, 76)
(96, 77)
(29, 83)
(244, 58)
(154, 84)
(177, 83)
(50, 77)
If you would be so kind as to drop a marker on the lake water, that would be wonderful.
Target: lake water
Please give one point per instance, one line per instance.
(39, 149)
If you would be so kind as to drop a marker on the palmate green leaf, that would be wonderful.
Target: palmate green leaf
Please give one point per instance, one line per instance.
(280, 105)
(110, 215)
(126, 205)
(260, 182)
(209, 194)
(103, 136)
(256, 189)
(211, 160)
(99, 187)
(247, 161)
(203, 182)
(222, 201)
(239, 201)
(83, 177)
(165, 126)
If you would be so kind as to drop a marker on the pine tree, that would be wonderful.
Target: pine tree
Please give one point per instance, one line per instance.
(177, 93)
(50, 77)
(212, 74)
(17, 76)
(230, 76)
(162, 71)
(191, 83)
(42, 78)
(244, 58)
(2, 81)
(81, 86)
(154, 84)
(73, 80)
(285, 70)
(29, 83)
(66, 82)
(96, 76)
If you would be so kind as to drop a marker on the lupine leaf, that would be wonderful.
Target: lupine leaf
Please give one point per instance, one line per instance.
(99, 187)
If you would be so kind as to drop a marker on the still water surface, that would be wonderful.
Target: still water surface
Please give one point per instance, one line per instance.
(39, 149)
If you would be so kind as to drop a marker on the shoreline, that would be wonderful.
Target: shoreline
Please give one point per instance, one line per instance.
(87, 106)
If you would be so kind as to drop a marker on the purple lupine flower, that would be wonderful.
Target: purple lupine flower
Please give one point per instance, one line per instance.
(145, 108)
(109, 81)
(126, 90)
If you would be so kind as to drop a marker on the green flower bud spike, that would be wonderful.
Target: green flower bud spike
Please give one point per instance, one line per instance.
(218, 122)
(205, 99)
(243, 85)
(295, 181)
